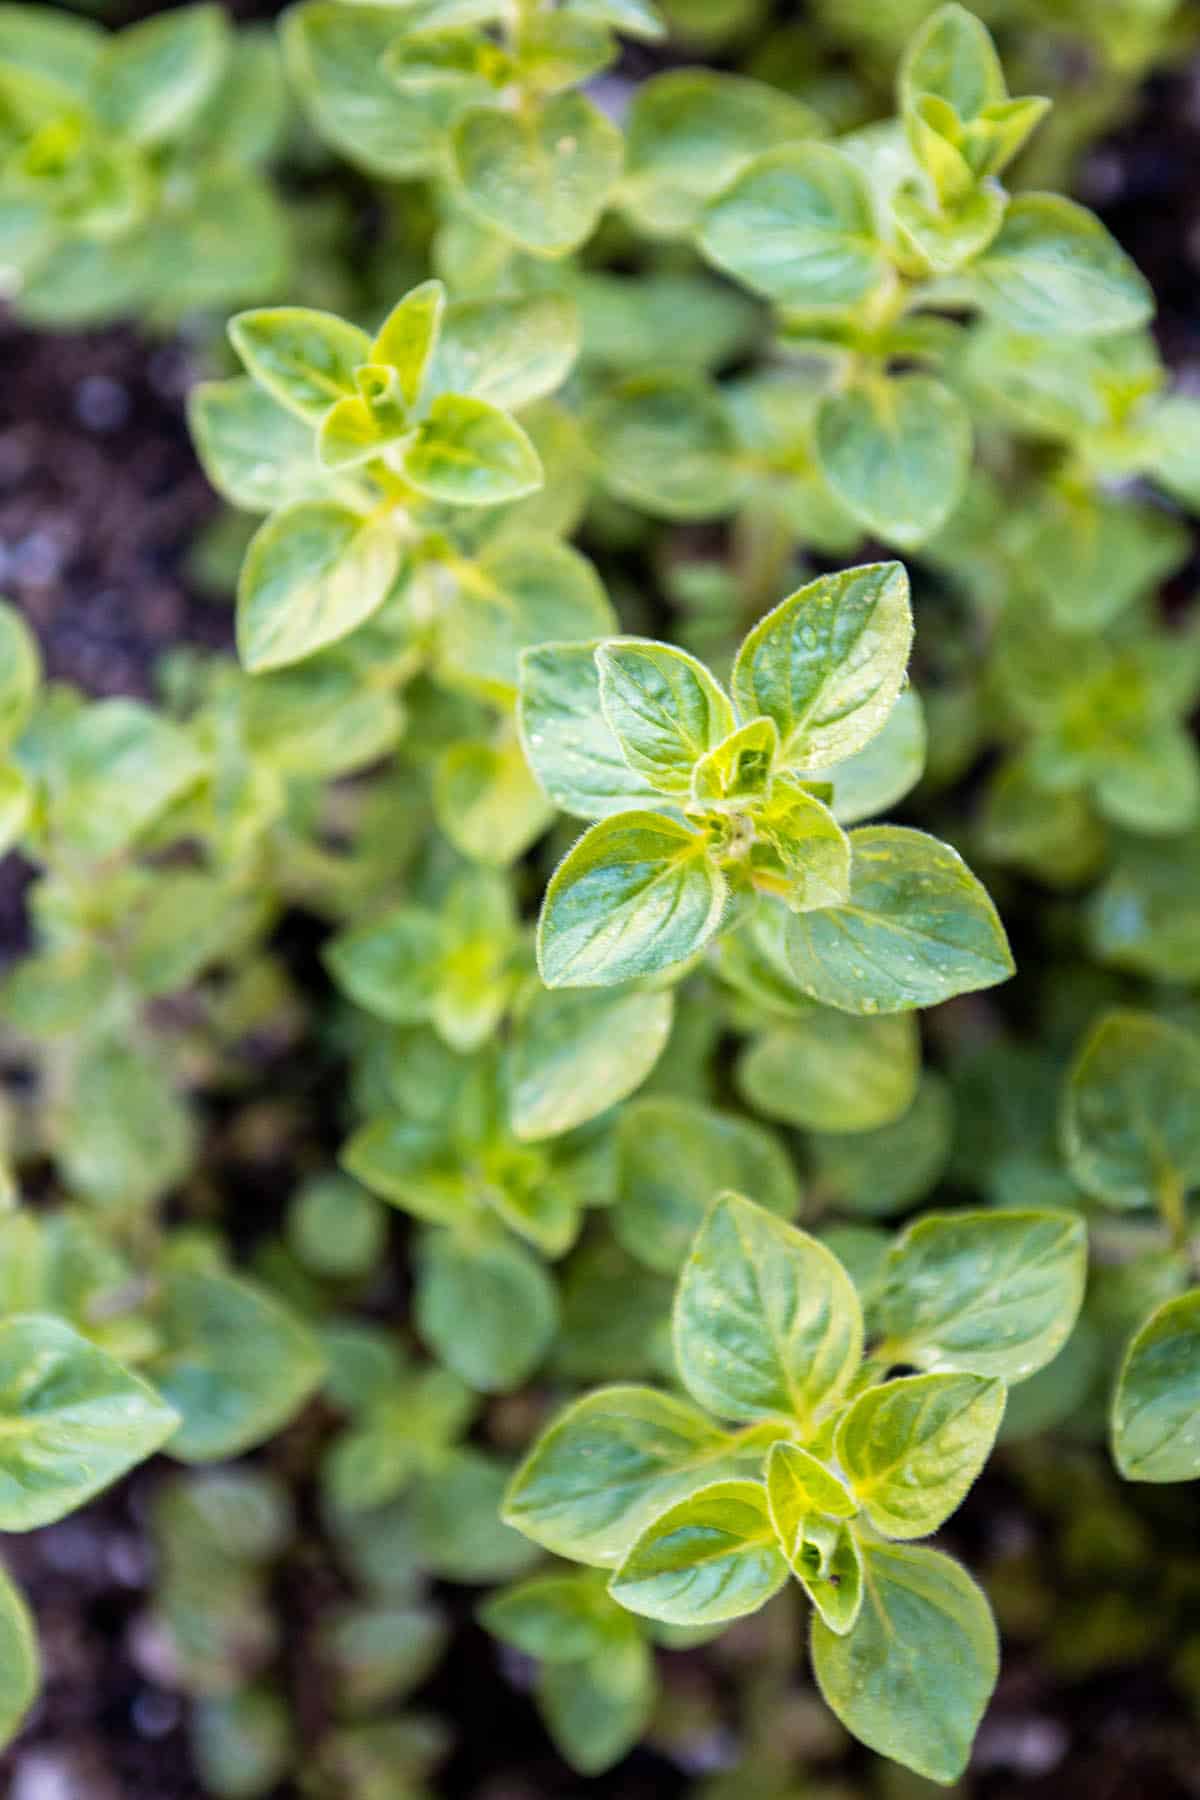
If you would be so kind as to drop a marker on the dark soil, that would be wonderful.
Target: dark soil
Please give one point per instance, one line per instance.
(100, 499)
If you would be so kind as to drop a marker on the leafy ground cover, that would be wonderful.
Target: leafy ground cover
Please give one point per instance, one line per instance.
(153, 1684)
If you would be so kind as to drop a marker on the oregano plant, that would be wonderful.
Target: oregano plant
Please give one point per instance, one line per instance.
(746, 791)
(799, 1453)
(132, 173)
(513, 1077)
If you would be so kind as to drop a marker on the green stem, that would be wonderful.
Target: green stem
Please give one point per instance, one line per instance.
(1172, 1206)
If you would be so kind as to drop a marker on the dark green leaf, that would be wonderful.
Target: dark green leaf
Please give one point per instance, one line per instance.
(912, 1678)
(1154, 1431)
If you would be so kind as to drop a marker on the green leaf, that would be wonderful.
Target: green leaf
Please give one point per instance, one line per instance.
(663, 707)
(688, 132)
(656, 319)
(20, 673)
(751, 959)
(485, 799)
(1171, 446)
(665, 440)
(337, 1229)
(598, 1709)
(303, 358)
(486, 1308)
(244, 119)
(634, 18)
(896, 451)
(55, 55)
(809, 1508)
(797, 225)
(987, 1293)
(410, 1163)
(256, 454)
(709, 1558)
(391, 967)
(1146, 916)
(508, 351)
(236, 1364)
(468, 453)
(616, 1316)
(566, 738)
(874, 778)
(542, 1200)
(314, 572)
(827, 664)
(953, 57)
(519, 593)
(152, 78)
(556, 1618)
(74, 1421)
(799, 1485)
(50, 995)
(229, 245)
(22, 1263)
(829, 1071)
(635, 896)
(949, 237)
(20, 1669)
(884, 1170)
(381, 1652)
(350, 435)
(487, 802)
(912, 1678)
(576, 1053)
(460, 1536)
(1152, 784)
(737, 770)
(611, 1463)
(115, 767)
(801, 854)
(542, 178)
(918, 928)
(16, 805)
(1002, 131)
(124, 1137)
(407, 339)
(675, 1156)
(1054, 269)
(242, 1742)
(1158, 1396)
(911, 1448)
(1094, 560)
(335, 57)
(560, 51)
(1062, 390)
(766, 1319)
(1131, 1111)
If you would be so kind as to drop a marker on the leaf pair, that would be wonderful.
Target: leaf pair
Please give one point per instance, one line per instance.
(1130, 1132)
(841, 235)
(641, 891)
(701, 1524)
(364, 395)
(596, 1685)
(884, 920)
(494, 1167)
(961, 124)
(769, 1331)
(452, 966)
(417, 412)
